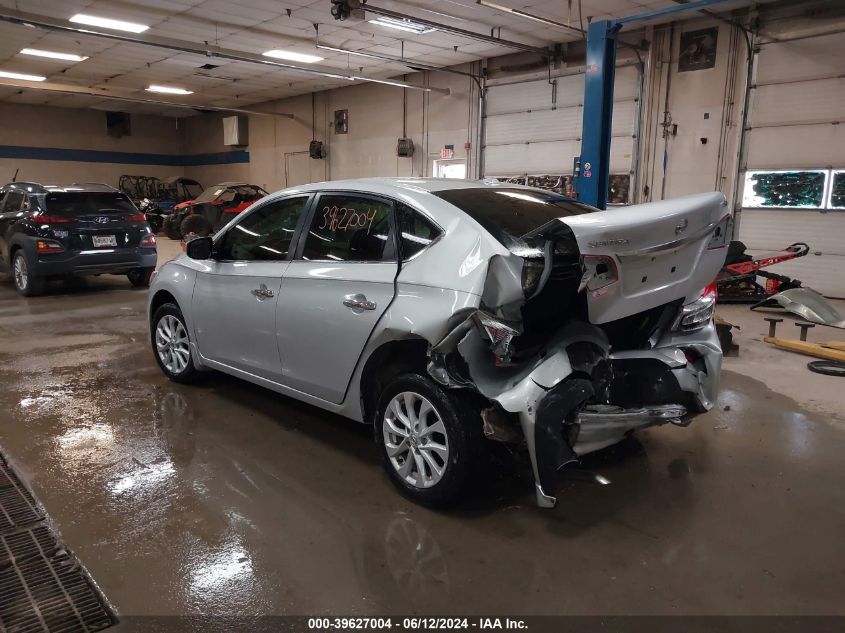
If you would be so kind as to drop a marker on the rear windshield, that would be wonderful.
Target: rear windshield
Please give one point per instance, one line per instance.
(83, 203)
(509, 214)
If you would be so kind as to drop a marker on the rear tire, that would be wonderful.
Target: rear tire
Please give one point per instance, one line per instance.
(140, 277)
(171, 344)
(430, 440)
(26, 282)
(197, 225)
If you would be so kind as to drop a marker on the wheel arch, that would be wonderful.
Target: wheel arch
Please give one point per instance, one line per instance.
(387, 361)
(159, 299)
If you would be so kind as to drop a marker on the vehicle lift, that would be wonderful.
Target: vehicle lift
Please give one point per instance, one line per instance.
(593, 175)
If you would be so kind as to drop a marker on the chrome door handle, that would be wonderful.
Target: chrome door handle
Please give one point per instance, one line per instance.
(262, 292)
(358, 302)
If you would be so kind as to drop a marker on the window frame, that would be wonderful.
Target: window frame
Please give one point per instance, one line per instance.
(827, 192)
(428, 218)
(315, 205)
(219, 239)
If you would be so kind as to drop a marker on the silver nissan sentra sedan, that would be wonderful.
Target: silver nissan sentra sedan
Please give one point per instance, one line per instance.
(450, 313)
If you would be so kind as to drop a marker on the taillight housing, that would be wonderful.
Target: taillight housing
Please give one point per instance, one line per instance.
(499, 334)
(599, 271)
(721, 234)
(697, 314)
(49, 246)
(53, 219)
(148, 241)
(136, 217)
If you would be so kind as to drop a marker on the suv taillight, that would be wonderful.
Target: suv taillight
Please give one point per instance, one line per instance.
(54, 219)
(136, 217)
(697, 314)
(49, 246)
(148, 241)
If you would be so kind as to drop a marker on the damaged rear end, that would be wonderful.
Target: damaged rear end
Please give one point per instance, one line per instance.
(593, 325)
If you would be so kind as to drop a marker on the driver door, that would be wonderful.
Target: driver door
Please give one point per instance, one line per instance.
(234, 301)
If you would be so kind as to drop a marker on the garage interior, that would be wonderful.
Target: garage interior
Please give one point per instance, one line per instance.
(225, 499)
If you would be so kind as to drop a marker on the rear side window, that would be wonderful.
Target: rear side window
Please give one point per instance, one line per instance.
(12, 202)
(265, 234)
(349, 228)
(508, 214)
(415, 231)
(84, 203)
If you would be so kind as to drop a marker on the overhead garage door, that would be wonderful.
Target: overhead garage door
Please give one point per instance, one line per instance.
(795, 153)
(533, 128)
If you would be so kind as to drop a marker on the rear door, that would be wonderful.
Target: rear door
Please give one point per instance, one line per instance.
(234, 302)
(647, 255)
(335, 291)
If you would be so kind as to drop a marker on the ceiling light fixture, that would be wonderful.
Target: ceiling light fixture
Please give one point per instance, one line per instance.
(108, 23)
(398, 84)
(292, 56)
(169, 90)
(69, 57)
(21, 76)
(402, 24)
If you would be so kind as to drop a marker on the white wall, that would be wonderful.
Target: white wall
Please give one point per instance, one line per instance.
(49, 127)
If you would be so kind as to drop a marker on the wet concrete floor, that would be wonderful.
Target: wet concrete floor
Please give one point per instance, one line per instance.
(224, 498)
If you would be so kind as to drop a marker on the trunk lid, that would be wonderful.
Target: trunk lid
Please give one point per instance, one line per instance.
(662, 251)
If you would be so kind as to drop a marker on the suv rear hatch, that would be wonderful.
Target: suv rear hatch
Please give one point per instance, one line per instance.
(93, 221)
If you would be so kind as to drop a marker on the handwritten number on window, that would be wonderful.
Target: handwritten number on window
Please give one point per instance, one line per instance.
(342, 219)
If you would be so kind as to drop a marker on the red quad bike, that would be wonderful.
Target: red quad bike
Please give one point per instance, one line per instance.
(737, 281)
(211, 210)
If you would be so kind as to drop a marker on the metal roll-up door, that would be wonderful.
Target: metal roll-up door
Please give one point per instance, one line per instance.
(533, 128)
(796, 106)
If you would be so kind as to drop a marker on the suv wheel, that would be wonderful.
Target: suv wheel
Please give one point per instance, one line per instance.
(171, 344)
(430, 440)
(140, 277)
(26, 282)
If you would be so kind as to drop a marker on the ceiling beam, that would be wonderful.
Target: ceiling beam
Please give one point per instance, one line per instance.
(111, 94)
(205, 49)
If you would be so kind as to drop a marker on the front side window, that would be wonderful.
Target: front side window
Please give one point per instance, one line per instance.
(415, 231)
(349, 228)
(265, 234)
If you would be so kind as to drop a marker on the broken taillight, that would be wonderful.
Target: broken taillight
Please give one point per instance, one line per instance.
(599, 271)
(697, 314)
(500, 335)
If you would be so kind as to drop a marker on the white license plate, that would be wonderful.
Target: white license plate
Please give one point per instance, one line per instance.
(104, 240)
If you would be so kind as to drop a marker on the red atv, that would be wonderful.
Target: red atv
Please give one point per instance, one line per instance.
(738, 280)
(212, 209)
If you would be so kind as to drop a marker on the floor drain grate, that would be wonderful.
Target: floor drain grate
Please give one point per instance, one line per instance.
(17, 507)
(43, 588)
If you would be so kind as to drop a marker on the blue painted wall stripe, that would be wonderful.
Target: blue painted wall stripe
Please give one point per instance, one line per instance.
(123, 158)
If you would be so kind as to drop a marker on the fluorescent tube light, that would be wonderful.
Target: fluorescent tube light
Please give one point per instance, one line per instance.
(70, 57)
(293, 57)
(169, 90)
(401, 24)
(108, 23)
(23, 76)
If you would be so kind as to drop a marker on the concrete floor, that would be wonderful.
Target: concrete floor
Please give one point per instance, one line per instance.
(224, 498)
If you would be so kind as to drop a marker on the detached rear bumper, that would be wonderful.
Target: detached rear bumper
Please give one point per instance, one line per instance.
(118, 261)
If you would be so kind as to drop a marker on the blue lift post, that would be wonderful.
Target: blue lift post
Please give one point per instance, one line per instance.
(600, 75)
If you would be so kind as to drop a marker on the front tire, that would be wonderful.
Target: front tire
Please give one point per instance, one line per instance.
(430, 440)
(27, 283)
(171, 344)
(196, 225)
(140, 277)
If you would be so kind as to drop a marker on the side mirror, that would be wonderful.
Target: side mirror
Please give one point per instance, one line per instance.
(199, 248)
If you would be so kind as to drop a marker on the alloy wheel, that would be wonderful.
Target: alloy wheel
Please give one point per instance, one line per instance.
(20, 272)
(415, 439)
(172, 344)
